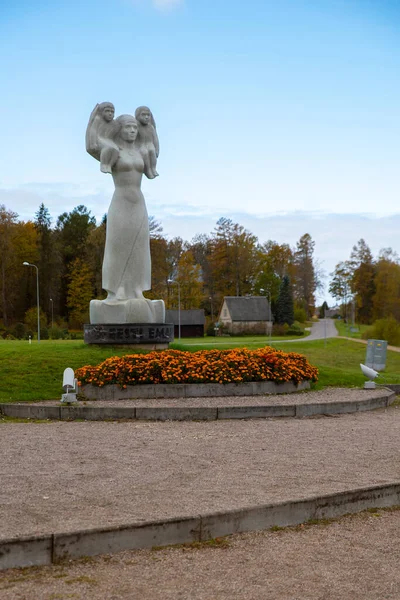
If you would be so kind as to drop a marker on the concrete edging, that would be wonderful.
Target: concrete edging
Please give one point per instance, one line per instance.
(54, 548)
(194, 413)
(191, 390)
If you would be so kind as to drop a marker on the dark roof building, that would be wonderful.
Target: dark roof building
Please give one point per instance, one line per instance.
(247, 308)
(245, 314)
(192, 322)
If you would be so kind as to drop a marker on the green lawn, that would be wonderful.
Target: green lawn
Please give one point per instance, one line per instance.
(30, 372)
(345, 329)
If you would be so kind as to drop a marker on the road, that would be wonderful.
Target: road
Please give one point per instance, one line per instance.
(324, 328)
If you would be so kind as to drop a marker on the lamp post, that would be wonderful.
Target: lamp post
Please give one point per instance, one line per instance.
(52, 313)
(212, 309)
(179, 305)
(37, 297)
(268, 294)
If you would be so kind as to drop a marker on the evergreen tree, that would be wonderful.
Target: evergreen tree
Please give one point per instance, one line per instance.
(284, 312)
(305, 276)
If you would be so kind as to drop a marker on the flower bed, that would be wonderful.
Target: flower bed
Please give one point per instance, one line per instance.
(205, 366)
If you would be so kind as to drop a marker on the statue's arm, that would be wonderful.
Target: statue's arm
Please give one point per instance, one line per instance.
(156, 141)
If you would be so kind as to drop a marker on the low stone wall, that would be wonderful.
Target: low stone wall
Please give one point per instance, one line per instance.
(191, 390)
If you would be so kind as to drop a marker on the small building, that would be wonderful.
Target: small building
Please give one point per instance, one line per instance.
(246, 314)
(331, 313)
(192, 322)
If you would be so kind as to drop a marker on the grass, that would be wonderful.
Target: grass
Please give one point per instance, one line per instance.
(345, 329)
(33, 372)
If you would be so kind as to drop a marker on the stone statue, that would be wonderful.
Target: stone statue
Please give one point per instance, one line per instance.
(148, 140)
(126, 265)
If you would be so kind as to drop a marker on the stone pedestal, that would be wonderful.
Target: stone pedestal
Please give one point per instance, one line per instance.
(152, 336)
(134, 310)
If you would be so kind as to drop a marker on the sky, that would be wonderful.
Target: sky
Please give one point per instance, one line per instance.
(283, 116)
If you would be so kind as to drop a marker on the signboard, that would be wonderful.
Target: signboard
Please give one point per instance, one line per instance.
(376, 354)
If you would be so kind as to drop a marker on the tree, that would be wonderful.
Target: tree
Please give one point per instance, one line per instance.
(284, 312)
(189, 279)
(275, 261)
(386, 299)
(233, 259)
(48, 259)
(305, 282)
(8, 220)
(362, 281)
(322, 311)
(72, 234)
(80, 292)
(18, 243)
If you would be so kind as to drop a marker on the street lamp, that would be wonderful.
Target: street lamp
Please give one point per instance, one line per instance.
(179, 305)
(212, 310)
(37, 297)
(52, 313)
(268, 294)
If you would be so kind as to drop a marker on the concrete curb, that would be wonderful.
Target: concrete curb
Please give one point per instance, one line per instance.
(54, 548)
(194, 413)
(191, 390)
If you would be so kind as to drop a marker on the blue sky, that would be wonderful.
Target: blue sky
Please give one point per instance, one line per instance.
(282, 116)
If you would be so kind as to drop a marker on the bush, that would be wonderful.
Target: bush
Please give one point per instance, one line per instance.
(384, 329)
(19, 331)
(44, 333)
(56, 333)
(279, 330)
(295, 329)
(300, 315)
(210, 331)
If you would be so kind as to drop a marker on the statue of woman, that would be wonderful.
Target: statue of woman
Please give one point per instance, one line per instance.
(126, 264)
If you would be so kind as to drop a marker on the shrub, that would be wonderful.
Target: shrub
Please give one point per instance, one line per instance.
(384, 329)
(56, 333)
(44, 333)
(300, 315)
(19, 331)
(295, 329)
(210, 331)
(205, 366)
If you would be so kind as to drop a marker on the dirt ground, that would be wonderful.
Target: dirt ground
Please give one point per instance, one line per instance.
(353, 558)
(63, 476)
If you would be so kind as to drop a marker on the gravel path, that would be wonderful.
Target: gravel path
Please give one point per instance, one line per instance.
(63, 476)
(355, 558)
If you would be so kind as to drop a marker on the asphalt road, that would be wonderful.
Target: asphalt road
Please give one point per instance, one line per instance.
(324, 328)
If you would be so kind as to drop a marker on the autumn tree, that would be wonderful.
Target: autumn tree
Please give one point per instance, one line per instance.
(362, 280)
(275, 261)
(188, 275)
(79, 292)
(18, 244)
(386, 299)
(72, 232)
(160, 261)
(8, 220)
(233, 259)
